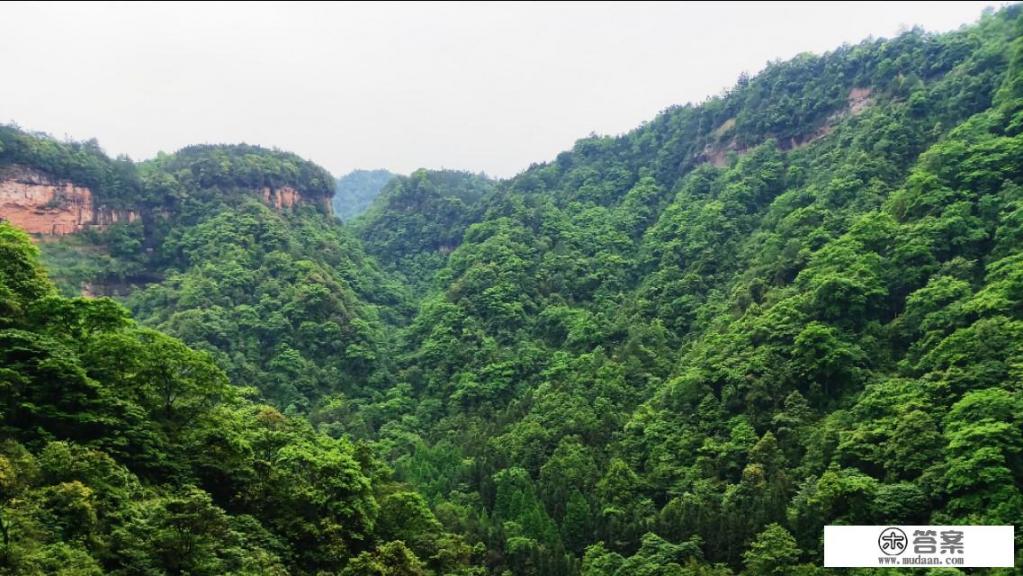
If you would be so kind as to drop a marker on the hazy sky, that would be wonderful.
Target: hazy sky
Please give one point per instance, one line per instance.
(480, 87)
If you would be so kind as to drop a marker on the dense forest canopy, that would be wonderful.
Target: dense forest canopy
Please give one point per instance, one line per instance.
(113, 181)
(126, 452)
(242, 166)
(417, 220)
(356, 190)
(679, 351)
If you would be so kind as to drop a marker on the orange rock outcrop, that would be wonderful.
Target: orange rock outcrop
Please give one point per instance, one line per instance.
(39, 204)
(279, 198)
(33, 202)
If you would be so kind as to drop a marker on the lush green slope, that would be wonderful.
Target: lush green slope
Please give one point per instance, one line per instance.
(419, 219)
(126, 452)
(356, 190)
(283, 297)
(700, 342)
(683, 350)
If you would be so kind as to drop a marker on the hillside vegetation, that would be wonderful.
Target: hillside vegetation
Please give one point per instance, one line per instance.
(356, 190)
(680, 351)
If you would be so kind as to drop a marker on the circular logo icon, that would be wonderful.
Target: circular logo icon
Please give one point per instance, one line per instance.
(892, 541)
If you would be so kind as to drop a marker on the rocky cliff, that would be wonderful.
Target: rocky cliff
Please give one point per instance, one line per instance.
(287, 197)
(39, 204)
(280, 198)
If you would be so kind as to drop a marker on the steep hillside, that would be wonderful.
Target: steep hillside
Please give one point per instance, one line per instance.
(55, 188)
(233, 249)
(125, 452)
(700, 342)
(356, 190)
(679, 351)
(417, 220)
(52, 187)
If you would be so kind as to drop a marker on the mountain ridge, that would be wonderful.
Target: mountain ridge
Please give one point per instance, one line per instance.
(678, 351)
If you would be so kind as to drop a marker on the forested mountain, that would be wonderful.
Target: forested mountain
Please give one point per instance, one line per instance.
(419, 219)
(678, 351)
(124, 451)
(356, 190)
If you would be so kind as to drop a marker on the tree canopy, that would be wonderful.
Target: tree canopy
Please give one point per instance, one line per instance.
(682, 350)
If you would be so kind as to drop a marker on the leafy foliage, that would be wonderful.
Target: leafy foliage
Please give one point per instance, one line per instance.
(419, 219)
(126, 452)
(356, 190)
(682, 350)
(114, 182)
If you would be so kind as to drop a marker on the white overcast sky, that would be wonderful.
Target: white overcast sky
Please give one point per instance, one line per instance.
(479, 87)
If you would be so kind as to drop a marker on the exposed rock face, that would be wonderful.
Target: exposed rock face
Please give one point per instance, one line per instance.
(39, 204)
(716, 153)
(287, 197)
(105, 216)
(859, 99)
(280, 198)
(33, 202)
